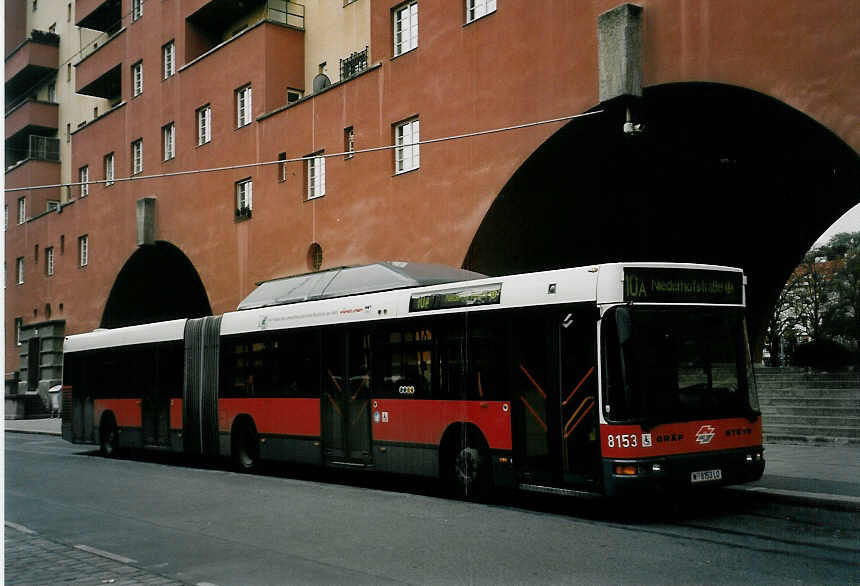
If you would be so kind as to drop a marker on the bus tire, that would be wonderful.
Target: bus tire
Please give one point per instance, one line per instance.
(466, 469)
(109, 436)
(245, 447)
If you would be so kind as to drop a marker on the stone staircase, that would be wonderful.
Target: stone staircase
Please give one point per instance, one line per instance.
(802, 407)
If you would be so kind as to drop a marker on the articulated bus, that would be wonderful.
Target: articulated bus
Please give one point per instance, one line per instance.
(602, 380)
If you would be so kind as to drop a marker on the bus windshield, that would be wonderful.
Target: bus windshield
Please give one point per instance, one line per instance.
(676, 364)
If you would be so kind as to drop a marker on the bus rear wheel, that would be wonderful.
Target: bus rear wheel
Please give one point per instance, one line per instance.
(109, 437)
(467, 468)
(246, 447)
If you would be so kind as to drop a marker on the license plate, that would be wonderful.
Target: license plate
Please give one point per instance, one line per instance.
(706, 476)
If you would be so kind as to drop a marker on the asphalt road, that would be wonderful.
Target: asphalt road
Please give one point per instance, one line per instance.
(199, 523)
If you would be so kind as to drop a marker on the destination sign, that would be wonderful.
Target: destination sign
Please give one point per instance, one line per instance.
(682, 286)
(468, 297)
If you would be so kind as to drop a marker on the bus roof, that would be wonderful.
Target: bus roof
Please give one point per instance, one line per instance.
(355, 280)
(165, 331)
(601, 284)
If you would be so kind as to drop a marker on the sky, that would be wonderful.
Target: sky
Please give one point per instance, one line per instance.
(849, 222)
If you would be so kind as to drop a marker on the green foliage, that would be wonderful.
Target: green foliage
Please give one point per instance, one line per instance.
(821, 300)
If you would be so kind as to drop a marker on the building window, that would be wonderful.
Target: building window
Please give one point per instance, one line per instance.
(316, 175)
(69, 12)
(349, 142)
(22, 210)
(52, 92)
(137, 78)
(49, 261)
(36, 253)
(293, 95)
(137, 156)
(243, 106)
(406, 137)
(84, 177)
(136, 9)
(282, 167)
(5, 217)
(168, 133)
(204, 124)
(83, 250)
(405, 28)
(19, 270)
(19, 323)
(109, 176)
(244, 198)
(168, 51)
(35, 5)
(475, 9)
(52, 205)
(68, 72)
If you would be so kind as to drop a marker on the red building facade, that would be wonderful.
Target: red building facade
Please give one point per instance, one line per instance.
(522, 62)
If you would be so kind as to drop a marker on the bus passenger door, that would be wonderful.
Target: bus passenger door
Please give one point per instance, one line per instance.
(334, 390)
(579, 411)
(346, 391)
(534, 398)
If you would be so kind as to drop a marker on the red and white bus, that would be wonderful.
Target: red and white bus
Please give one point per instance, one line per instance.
(605, 379)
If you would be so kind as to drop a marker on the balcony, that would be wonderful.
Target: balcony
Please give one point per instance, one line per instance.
(32, 148)
(34, 172)
(32, 117)
(100, 15)
(30, 63)
(99, 74)
(217, 21)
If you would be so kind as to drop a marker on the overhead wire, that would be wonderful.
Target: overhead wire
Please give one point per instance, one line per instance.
(310, 157)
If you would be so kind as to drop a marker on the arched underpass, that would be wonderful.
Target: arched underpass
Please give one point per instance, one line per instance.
(720, 175)
(157, 283)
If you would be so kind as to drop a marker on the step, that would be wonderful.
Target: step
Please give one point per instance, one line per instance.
(818, 420)
(810, 411)
(817, 384)
(831, 402)
(812, 430)
(789, 438)
(809, 392)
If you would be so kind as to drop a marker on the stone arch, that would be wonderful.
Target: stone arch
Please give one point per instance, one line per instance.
(721, 175)
(158, 282)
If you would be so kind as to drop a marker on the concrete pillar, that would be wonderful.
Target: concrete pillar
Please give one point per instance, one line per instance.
(619, 45)
(146, 227)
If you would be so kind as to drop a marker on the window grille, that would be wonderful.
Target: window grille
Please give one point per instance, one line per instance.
(353, 65)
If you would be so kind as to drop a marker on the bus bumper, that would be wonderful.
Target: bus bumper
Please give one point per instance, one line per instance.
(682, 472)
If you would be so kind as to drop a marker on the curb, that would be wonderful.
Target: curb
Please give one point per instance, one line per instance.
(835, 502)
(34, 432)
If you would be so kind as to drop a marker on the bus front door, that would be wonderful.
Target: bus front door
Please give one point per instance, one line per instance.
(345, 394)
(578, 397)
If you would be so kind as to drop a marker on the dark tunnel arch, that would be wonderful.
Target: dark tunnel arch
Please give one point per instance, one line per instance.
(158, 282)
(721, 175)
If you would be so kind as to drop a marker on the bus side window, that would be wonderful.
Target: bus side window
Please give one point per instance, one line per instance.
(405, 362)
(488, 356)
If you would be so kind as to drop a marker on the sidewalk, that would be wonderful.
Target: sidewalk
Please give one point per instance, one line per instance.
(826, 475)
(33, 559)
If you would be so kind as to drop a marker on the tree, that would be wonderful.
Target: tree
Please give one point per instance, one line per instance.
(821, 299)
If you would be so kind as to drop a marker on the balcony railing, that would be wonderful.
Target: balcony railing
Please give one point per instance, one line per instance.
(353, 65)
(285, 12)
(38, 148)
